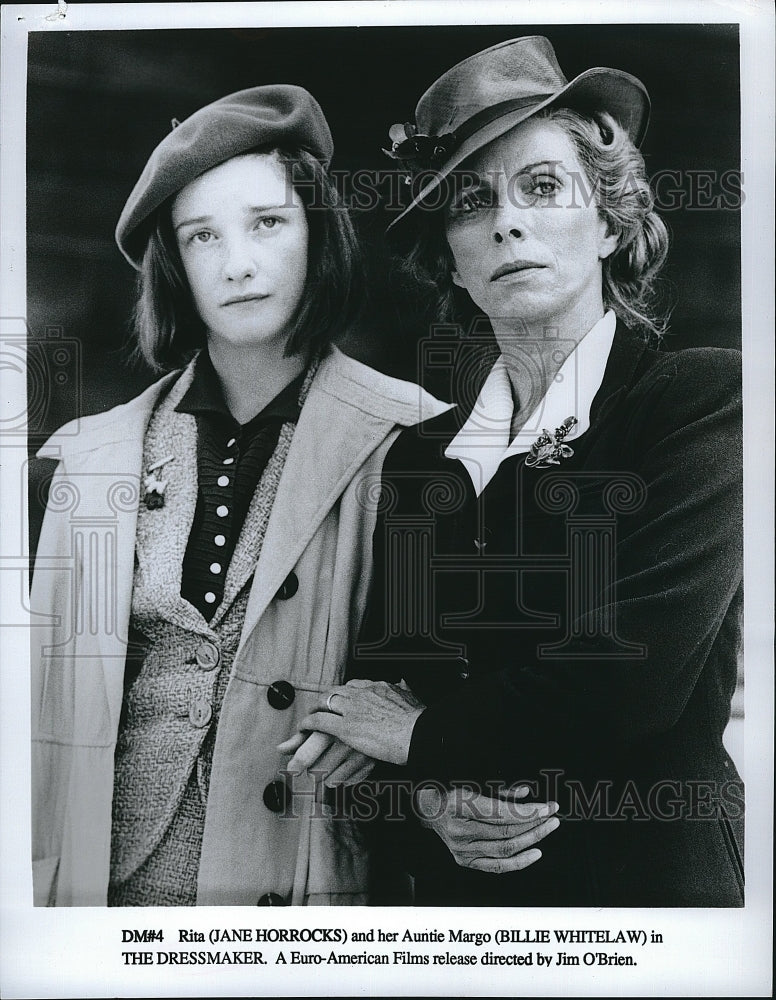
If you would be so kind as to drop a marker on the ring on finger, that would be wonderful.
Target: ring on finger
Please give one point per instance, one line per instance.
(329, 705)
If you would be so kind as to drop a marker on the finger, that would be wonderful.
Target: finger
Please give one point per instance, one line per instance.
(513, 845)
(327, 700)
(323, 722)
(331, 759)
(356, 768)
(515, 792)
(499, 866)
(308, 754)
(293, 743)
(496, 811)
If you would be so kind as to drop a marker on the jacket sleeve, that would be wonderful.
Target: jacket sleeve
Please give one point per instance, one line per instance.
(677, 568)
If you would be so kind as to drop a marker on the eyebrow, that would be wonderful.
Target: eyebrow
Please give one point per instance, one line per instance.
(252, 210)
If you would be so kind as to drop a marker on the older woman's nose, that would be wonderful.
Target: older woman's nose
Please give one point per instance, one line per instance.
(503, 232)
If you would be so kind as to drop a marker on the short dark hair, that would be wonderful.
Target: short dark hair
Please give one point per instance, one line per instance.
(616, 172)
(167, 327)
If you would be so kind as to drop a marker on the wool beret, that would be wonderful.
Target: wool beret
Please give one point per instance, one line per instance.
(274, 115)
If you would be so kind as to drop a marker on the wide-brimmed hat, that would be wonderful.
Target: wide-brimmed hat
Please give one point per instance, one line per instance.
(273, 115)
(489, 93)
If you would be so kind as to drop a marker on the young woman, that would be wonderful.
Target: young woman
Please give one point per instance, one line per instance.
(204, 558)
(581, 563)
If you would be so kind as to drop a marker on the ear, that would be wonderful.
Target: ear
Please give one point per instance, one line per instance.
(456, 278)
(608, 243)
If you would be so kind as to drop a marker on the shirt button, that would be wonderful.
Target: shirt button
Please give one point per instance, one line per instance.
(271, 899)
(230, 442)
(280, 695)
(220, 540)
(228, 461)
(210, 597)
(215, 567)
(288, 587)
(223, 480)
(222, 511)
(276, 796)
(200, 712)
(207, 656)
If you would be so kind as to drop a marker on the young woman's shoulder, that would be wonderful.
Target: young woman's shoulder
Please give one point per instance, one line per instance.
(120, 423)
(404, 403)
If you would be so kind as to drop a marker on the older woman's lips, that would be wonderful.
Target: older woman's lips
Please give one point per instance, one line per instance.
(514, 267)
(238, 299)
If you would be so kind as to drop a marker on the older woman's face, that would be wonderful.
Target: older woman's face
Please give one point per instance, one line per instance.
(527, 239)
(242, 234)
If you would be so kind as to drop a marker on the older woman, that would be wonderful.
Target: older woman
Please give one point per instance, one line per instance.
(558, 568)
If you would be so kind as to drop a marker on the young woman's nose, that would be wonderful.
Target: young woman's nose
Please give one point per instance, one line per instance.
(239, 259)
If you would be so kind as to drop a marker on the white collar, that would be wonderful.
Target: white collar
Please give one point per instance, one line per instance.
(483, 442)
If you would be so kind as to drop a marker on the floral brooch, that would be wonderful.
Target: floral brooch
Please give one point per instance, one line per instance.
(549, 449)
(417, 151)
(153, 497)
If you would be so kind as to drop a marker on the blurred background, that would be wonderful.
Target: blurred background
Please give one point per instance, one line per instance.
(99, 101)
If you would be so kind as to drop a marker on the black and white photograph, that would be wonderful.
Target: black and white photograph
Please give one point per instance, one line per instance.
(387, 491)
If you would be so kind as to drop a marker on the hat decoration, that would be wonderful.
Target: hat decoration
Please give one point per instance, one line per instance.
(416, 151)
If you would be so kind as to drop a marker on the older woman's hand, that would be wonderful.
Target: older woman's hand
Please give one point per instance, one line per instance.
(373, 717)
(484, 833)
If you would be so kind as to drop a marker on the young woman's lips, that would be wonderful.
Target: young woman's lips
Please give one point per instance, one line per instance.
(237, 300)
(514, 267)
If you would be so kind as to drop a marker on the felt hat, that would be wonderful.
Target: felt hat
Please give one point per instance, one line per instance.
(489, 93)
(274, 115)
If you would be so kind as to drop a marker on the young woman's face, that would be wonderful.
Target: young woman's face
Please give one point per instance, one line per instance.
(241, 230)
(527, 240)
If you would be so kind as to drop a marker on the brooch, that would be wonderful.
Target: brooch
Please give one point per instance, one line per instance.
(549, 449)
(153, 497)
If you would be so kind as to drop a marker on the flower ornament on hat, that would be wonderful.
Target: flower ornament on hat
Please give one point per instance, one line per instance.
(273, 115)
(492, 91)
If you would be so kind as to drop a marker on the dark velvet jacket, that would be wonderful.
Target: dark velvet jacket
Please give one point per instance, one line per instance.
(575, 628)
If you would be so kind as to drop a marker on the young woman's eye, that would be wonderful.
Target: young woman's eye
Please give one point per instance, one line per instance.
(268, 222)
(203, 236)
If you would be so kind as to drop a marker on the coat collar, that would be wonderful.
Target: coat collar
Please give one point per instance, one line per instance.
(349, 411)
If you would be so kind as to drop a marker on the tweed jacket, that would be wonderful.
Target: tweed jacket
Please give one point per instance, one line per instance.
(318, 533)
(581, 636)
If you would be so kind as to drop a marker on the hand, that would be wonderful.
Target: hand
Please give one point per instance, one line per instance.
(373, 717)
(487, 834)
(331, 761)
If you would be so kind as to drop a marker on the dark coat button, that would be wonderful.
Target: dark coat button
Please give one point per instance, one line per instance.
(276, 796)
(288, 587)
(207, 656)
(280, 694)
(463, 668)
(271, 899)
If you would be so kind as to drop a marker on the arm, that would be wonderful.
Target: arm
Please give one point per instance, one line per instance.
(678, 565)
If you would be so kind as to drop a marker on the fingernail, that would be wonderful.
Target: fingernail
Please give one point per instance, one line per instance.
(553, 825)
(533, 855)
(554, 807)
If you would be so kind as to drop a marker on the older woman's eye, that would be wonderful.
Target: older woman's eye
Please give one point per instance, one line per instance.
(545, 186)
(268, 222)
(469, 202)
(203, 236)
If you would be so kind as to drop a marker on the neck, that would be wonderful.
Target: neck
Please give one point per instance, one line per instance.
(251, 376)
(535, 353)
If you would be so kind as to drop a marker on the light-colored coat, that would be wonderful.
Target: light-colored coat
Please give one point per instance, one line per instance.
(320, 528)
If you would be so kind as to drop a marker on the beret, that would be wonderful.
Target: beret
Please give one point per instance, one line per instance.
(278, 114)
